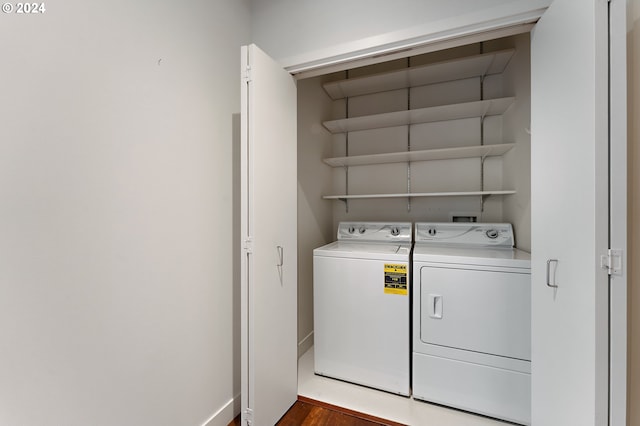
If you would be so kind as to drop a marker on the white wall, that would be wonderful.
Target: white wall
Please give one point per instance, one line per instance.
(289, 30)
(117, 304)
(633, 70)
(517, 162)
(315, 220)
(313, 25)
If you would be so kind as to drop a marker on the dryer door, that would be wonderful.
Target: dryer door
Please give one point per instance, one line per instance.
(480, 310)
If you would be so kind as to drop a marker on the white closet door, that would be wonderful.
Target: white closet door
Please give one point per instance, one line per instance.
(569, 155)
(269, 241)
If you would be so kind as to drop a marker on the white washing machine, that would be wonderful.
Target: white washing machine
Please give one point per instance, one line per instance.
(472, 319)
(362, 312)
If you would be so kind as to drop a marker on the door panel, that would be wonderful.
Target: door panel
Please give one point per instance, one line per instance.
(361, 333)
(618, 210)
(476, 310)
(268, 229)
(569, 163)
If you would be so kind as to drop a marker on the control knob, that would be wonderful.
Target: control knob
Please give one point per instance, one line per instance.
(492, 233)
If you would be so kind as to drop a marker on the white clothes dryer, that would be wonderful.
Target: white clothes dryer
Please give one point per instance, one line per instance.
(361, 306)
(472, 319)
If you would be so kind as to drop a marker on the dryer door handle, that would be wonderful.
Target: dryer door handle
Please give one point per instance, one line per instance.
(280, 256)
(280, 263)
(549, 284)
(435, 306)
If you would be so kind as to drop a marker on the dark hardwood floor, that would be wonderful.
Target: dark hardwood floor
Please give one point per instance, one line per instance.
(307, 412)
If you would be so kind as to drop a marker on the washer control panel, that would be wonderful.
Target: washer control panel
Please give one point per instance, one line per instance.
(465, 234)
(375, 231)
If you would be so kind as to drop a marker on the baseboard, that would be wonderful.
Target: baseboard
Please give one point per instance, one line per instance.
(225, 414)
(305, 344)
(231, 409)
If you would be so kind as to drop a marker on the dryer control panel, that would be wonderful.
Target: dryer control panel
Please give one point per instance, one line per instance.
(375, 231)
(465, 234)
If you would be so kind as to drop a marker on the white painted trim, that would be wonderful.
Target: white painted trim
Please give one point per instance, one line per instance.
(512, 14)
(305, 344)
(225, 414)
(420, 50)
(245, 307)
(618, 211)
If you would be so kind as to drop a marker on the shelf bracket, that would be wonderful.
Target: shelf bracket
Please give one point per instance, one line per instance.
(408, 186)
(484, 113)
(346, 178)
(483, 198)
(486, 71)
(346, 204)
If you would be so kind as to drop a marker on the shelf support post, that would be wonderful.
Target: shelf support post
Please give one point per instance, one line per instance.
(346, 151)
(409, 142)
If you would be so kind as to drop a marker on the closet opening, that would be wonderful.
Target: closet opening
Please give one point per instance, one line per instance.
(440, 137)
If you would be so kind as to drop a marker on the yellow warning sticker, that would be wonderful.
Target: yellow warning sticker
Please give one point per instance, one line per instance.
(395, 279)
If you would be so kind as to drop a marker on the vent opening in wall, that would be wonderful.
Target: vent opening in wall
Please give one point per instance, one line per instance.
(464, 217)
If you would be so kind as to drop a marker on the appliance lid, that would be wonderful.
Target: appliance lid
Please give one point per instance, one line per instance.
(365, 250)
(459, 234)
(357, 248)
(399, 232)
(498, 257)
